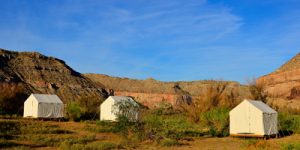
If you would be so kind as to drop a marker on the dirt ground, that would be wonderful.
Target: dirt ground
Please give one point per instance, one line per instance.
(230, 143)
(202, 143)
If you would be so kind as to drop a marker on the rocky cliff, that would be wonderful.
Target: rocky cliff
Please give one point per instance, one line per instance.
(284, 81)
(283, 85)
(42, 74)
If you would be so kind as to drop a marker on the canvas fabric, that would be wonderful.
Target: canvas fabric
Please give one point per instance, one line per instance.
(43, 106)
(253, 117)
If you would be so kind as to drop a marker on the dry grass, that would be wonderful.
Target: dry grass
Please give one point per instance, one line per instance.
(216, 96)
(79, 138)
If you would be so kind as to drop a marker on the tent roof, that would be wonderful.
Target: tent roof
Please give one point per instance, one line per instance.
(261, 106)
(46, 98)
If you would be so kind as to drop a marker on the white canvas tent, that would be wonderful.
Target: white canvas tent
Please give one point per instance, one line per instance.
(253, 118)
(43, 106)
(109, 108)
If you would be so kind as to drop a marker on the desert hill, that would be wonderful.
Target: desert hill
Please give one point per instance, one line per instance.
(41, 74)
(291, 65)
(151, 91)
(283, 85)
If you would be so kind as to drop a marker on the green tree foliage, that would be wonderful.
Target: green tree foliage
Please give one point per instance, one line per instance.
(127, 109)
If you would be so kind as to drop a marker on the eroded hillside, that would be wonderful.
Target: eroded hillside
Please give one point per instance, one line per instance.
(151, 92)
(283, 85)
(41, 74)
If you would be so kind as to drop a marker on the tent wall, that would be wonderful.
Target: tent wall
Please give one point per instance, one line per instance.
(270, 123)
(30, 107)
(246, 119)
(50, 110)
(106, 110)
(256, 124)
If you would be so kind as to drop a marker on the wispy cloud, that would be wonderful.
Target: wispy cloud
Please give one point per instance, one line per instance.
(164, 39)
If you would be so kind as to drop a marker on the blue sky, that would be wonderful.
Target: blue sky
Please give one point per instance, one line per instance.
(168, 40)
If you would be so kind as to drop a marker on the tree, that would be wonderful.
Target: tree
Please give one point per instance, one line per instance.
(128, 109)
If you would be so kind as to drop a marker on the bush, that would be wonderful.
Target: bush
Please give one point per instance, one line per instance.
(216, 96)
(127, 110)
(89, 106)
(123, 126)
(289, 123)
(74, 111)
(257, 90)
(155, 128)
(217, 121)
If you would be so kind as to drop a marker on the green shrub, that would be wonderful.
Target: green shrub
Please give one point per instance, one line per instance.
(122, 126)
(127, 109)
(217, 121)
(89, 106)
(74, 111)
(155, 127)
(289, 122)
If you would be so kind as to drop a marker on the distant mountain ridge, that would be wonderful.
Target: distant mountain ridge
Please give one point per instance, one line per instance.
(151, 91)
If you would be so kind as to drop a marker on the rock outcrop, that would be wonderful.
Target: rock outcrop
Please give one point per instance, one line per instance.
(282, 82)
(47, 75)
(283, 85)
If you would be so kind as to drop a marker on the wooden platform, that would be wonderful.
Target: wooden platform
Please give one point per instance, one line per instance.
(247, 135)
(253, 135)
